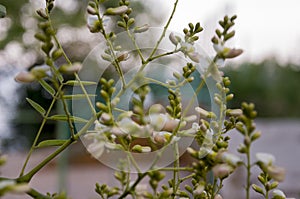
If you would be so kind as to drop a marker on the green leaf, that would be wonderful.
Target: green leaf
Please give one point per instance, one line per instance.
(47, 87)
(77, 96)
(36, 106)
(65, 118)
(2, 11)
(77, 83)
(48, 143)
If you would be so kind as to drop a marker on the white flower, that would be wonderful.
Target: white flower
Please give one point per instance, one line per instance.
(265, 158)
(189, 50)
(128, 126)
(193, 130)
(164, 137)
(12, 186)
(218, 196)
(141, 190)
(174, 39)
(199, 189)
(222, 170)
(204, 113)
(170, 124)
(218, 47)
(230, 158)
(96, 148)
(277, 173)
(277, 192)
(157, 121)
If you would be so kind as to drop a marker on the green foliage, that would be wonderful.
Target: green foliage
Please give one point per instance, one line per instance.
(271, 86)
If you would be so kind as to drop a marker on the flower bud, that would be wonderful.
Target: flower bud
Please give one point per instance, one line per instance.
(174, 39)
(105, 117)
(170, 124)
(230, 158)
(91, 10)
(278, 194)
(265, 158)
(192, 152)
(199, 189)
(255, 136)
(222, 170)
(40, 71)
(141, 149)
(234, 112)
(194, 56)
(233, 53)
(218, 196)
(116, 11)
(276, 173)
(203, 113)
(141, 29)
(123, 56)
(257, 189)
(41, 13)
(25, 77)
(70, 69)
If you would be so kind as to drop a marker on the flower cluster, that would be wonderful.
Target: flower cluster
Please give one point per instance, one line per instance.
(157, 128)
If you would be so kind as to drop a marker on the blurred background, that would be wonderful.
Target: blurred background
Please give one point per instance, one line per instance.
(267, 73)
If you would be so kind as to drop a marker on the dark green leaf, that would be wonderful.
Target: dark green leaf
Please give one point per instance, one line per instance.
(48, 143)
(36, 106)
(47, 87)
(77, 83)
(65, 118)
(77, 96)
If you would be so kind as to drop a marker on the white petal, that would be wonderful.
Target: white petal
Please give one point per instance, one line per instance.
(265, 158)
(277, 192)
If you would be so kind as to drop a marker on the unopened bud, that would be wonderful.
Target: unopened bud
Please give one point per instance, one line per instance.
(194, 56)
(174, 39)
(233, 53)
(141, 29)
(25, 77)
(141, 149)
(234, 112)
(116, 11)
(257, 189)
(70, 69)
(91, 10)
(41, 13)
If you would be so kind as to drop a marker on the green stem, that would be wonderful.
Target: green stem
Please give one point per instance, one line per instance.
(39, 132)
(37, 195)
(164, 31)
(140, 177)
(178, 169)
(162, 55)
(67, 112)
(135, 45)
(200, 86)
(248, 167)
(30, 174)
(176, 176)
(86, 95)
(187, 177)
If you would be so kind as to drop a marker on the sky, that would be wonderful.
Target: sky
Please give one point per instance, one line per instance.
(264, 28)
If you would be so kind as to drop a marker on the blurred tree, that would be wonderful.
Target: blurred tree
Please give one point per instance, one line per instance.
(274, 88)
